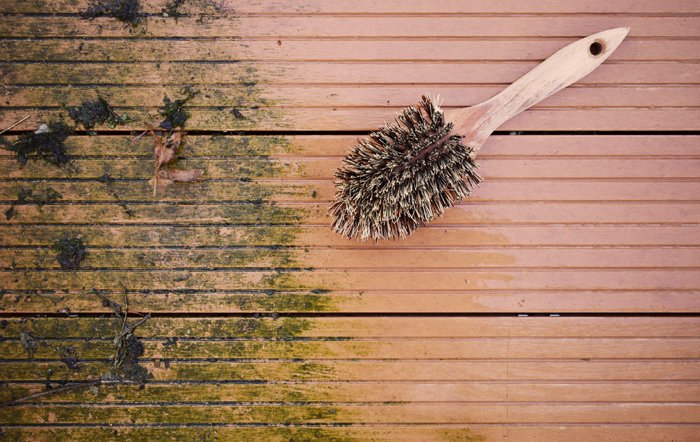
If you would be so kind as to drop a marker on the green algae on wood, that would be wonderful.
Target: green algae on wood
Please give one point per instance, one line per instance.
(177, 301)
(208, 369)
(162, 327)
(283, 347)
(233, 257)
(267, 281)
(193, 392)
(459, 435)
(278, 414)
(165, 235)
(156, 73)
(257, 371)
(284, 302)
(228, 191)
(173, 111)
(230, 169)
(222, 213)
(328, 433)
(251, 160)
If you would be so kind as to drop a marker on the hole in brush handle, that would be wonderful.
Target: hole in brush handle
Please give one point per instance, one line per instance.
(597, 48)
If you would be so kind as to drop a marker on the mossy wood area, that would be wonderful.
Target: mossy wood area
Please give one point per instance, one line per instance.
(168, 271)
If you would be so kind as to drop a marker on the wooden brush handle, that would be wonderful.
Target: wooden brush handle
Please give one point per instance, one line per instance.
(565, 67)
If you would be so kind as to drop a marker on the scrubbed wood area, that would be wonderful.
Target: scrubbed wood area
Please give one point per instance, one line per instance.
(142, 301)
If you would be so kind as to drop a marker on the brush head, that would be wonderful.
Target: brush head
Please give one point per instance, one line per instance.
(402, 176)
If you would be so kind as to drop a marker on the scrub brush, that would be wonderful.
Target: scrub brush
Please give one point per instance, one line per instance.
(411, 170)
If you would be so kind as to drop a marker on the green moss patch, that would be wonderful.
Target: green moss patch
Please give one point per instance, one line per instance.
(46, 143)
(70, 252)
(172, 110)
(91, 113)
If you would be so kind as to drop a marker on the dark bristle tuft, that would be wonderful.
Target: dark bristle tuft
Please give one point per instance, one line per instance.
(402, 176)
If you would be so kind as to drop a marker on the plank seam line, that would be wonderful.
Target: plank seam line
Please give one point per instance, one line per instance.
(394, 382)
(354, 340)
(464, 226)
(328, 269)
(314, 203)
(369, 404)
(330, 315)
(288, 426)
(273, 133)
(358, 107)
(237, 39)
(166, 248)
(361, 361)
(402, 14)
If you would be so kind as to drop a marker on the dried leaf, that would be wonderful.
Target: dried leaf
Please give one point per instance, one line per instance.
(166, 143)
(161, 152)
(175, 139)
(164, 147)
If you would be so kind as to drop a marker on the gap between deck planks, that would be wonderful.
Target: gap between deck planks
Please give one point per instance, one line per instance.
(614, 217)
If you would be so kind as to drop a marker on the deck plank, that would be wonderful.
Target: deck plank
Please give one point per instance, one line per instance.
(387, 7)
(530, 433)
(329, 26)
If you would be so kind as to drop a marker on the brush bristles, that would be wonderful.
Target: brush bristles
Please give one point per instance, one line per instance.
(402, 176)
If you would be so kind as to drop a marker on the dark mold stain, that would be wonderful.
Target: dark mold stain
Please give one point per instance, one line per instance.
(46, 143)
(172, 9)
(128, 11)
(29, 196)
(71, 252)
(127, 366)
(69, 356)
(173, 111)
(98, 111)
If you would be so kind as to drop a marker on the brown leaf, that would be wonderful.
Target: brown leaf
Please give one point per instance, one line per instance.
(164, 147)
(163, 154)
(175, 139)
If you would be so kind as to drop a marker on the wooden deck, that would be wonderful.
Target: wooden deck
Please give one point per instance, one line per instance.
(561, 302)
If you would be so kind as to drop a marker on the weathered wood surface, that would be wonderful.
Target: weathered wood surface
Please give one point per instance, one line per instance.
(600, 226)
